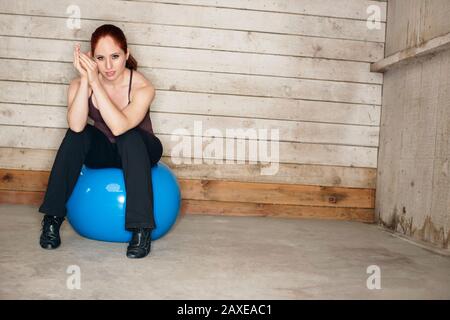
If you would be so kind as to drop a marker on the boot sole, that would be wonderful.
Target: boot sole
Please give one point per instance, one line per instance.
(49, 247)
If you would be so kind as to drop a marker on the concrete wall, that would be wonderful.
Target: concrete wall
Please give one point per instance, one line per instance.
(413, 166)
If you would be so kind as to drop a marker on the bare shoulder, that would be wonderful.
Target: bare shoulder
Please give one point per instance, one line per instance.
(140, 81)
(142, 88)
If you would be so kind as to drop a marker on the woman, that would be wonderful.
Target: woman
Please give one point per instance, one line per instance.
(117, 97)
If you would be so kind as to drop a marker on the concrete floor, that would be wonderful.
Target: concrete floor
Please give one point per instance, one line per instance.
(211, 257)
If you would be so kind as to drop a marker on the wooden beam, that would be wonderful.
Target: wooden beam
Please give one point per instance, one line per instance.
(228, 191)
(275, 210)
(290, 173)
(277, 193)
(429, 47)
(217, 197)
(33, 198)
(224, 208)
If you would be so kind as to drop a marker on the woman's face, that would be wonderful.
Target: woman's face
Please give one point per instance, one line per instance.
(110, 58)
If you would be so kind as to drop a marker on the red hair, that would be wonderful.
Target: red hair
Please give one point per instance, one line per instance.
(119, 37)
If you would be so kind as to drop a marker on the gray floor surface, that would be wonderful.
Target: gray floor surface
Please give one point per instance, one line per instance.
(221, 257)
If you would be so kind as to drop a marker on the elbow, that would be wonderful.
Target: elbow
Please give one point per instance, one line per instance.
(117, 132)
(76, 129)
(75, 126)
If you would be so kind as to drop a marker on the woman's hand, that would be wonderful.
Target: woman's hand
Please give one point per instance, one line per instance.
(76, 62)
(91, 67)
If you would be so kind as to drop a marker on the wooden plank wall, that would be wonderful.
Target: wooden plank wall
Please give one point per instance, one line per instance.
(412, 196)
(299, 66)
(415, 21)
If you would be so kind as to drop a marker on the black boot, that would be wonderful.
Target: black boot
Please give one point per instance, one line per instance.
(50, 232)
(140, 244)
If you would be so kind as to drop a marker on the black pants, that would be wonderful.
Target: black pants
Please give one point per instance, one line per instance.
(135, 152)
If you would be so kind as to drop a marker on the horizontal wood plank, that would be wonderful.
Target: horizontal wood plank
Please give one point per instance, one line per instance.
(322, 175)
(208, 126)
(178, 59)
(277, 193)
(429, 47)
(226, 208)
(350, 9)
(239, 84)
(167, 36)
(287, 152)
(222, 208)
(207, 17)
(228, 191)
(34, 198)
(14, 94)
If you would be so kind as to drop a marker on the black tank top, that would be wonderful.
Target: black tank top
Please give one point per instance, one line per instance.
(99, 123)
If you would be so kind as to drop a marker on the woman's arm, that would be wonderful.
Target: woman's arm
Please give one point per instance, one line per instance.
(118, 121)
(77, 97)
(77, 112)
(111, 114)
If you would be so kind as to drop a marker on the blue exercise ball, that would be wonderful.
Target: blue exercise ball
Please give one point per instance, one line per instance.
(96, 207)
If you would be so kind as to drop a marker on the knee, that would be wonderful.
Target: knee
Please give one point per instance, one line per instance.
(71, 132)
(131, 136)
(74, 136)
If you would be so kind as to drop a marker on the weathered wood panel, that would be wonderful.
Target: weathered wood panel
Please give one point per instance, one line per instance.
(208, 196)
(168, 123)
(301, 67)
(210, 207)
(412, 22)
(351, 9)
(188, 59)
(231, 191)
(209, 82)
(275, 210)
(209, 17)
(321, 175)
(289, 152)
(412, 187)
(156, 35)
(44, 95)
